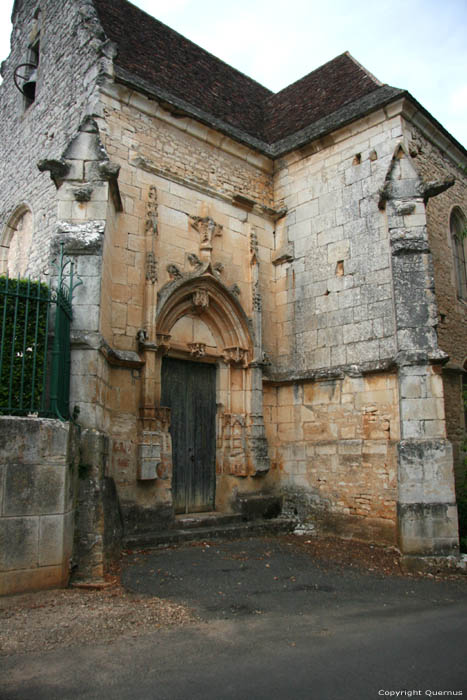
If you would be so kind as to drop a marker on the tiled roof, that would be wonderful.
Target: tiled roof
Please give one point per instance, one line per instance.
(152, 51)
(317, 95)
(160, 57)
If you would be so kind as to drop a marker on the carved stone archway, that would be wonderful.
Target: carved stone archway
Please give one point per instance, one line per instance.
(207, 299)
(200, 319)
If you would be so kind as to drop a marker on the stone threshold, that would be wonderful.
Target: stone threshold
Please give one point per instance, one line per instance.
(215, 526)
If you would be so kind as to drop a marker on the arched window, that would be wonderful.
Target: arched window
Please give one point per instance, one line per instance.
(15, 243)
(458, 226)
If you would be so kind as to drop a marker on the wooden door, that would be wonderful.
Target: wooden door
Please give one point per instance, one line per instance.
(189, 390)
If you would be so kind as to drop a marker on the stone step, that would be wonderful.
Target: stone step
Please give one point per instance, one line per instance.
(233, 530)
(209, 519)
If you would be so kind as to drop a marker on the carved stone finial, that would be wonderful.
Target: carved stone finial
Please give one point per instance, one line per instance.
(208, 229)
(253, 246)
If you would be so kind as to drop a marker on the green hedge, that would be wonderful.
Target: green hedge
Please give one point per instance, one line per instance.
(23, 344)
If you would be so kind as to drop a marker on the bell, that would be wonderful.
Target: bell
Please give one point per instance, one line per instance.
(29, 87)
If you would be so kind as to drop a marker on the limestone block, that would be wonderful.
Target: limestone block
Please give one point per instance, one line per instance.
(307, 212)
(88, 266)
(350, 447)
(428, 529)
(34, 489)
(357, 332)
(40, 578)
(87, 293)
(19, 539)
(425, 471)
(338, 251)
(422, 409)
(86, 146)
(374, 447)
(51, 539)
(84, 362)
(33, 440)
(412, 387)
(363, 352)
(86, 317)
(2, 481)
(349, 298)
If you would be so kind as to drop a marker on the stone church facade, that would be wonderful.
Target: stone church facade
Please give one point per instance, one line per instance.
(274, 297)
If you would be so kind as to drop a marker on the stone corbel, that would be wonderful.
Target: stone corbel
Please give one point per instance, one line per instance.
(435, 187)
(58, 169)
(235, 355)
(163, 342)
(121, 358)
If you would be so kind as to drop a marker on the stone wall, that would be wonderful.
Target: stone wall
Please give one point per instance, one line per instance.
(333, 273)
(335, 447)
(452, 312)
(38, 477)
(175, 177)
(72, 55)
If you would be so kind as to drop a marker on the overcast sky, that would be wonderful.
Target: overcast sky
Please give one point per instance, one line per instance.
(418, 45)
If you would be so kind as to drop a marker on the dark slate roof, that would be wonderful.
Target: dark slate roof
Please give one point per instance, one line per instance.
(152, 51)
(155, 58)
(317, 95)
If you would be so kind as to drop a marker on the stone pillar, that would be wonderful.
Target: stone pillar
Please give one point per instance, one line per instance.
(98, 524)
(256, 434)
(427, 515)
(88, 199)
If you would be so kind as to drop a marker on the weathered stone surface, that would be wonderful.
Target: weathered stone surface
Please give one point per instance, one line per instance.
(84, 238)
(254, 506)
(2, 489)
(37, 519)
(19, 539)
(428, 529)
(33, 440)
(324, 259)
(138, 519)
(32, 489)
(51, 540)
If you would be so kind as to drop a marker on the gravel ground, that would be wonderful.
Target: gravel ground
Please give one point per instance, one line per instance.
(45, 620)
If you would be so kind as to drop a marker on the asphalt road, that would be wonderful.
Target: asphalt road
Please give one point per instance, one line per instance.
(274, 624)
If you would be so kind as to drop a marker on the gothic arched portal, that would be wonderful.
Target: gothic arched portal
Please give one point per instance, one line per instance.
(207, 380)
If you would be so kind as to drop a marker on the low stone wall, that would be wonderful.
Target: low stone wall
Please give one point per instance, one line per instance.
(38, 469)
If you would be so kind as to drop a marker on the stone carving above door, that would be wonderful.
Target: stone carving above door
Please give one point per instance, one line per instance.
(208, 229)
(197, 349)
(200, 300)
